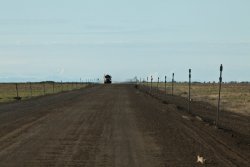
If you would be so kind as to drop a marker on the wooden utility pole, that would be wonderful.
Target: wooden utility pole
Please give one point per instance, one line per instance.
(151, 83)
(31, 94)
(173, 84)
(53, 87)
(218, 108)
(189, 91)
(61, 86)
(17, 93)
(44, 91)
(158, 84)
(147, 82)
(165, 85)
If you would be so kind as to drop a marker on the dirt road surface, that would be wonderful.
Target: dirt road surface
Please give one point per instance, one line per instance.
(112, 125)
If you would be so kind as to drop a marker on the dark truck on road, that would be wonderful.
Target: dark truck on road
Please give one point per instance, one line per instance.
(107, 79)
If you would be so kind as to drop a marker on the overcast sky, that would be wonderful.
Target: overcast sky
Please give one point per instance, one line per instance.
(73, 39)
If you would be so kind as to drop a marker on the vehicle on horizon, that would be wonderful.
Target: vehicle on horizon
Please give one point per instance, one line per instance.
(107, 79)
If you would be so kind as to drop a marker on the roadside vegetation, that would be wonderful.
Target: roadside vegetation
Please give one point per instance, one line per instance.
(234, 96)
(8, 91)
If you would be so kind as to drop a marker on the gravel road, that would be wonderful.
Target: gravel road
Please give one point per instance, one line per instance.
(112, 125)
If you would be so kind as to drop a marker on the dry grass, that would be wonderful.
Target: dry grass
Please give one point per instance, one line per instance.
(234, 97)
(8, 90)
